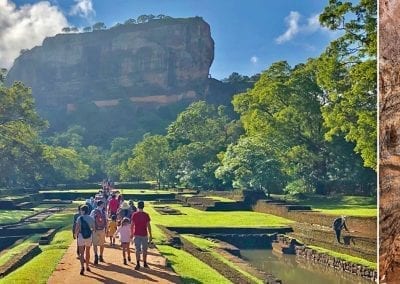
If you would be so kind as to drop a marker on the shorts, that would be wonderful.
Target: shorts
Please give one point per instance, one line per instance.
(84, 242)
(99, 237)
(141, 243)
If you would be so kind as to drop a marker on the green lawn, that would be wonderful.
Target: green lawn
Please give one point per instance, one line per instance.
(208, 245)
(11, 216)
(123, 191)
(11, 252)
(346, 257)
(191, 269)
(198, 218)
(39, 269)
(220, 198)
(363, 206)
(55, 221)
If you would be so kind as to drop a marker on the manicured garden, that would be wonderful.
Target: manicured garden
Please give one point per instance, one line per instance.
(197, 218)
(11, 216)
(362, 206)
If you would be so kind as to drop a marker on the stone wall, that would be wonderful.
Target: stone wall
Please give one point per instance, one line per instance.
(338, 264)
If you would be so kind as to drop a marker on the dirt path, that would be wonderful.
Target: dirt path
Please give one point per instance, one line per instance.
(113, 270)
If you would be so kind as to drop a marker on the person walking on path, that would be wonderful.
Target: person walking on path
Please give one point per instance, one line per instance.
(83, 233)
(76, 216)
(141, 232)
(99, 234)
(132, 207)
(338, 225)
(124, 232)
(113, 205)
(111, 229)
(124, 211)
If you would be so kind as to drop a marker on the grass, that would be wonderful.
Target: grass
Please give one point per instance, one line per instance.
(17, 248)
(221, 199)
(191, 269)
(362, 206)
(55, 221)
(39, 269)
(208, 245)
(123, 191)
(11, 216)
(198, 218)
(346, 257)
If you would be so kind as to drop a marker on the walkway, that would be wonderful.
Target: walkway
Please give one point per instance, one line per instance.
(113, 270)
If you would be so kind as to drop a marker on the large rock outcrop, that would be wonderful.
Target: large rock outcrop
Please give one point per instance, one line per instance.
(389, 165)
(120, 74)
(159, 58)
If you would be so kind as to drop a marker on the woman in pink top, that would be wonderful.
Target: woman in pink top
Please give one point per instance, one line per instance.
(124, 232)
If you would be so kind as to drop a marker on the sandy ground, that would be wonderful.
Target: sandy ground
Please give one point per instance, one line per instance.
(113, 270)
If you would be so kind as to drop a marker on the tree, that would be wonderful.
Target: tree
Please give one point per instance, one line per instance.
(74, 29)
(142, 19)
(72, 138)
(63, 165)
(20, 126)
(160, 16)
(284, 110)
(99, 26)
(347, 73)
(3, 76)
(196, 137)
(149, 160)
(121, 150)
(87, 29)
(66, 30)
(130, 21)
(251, 164)
(94, 157)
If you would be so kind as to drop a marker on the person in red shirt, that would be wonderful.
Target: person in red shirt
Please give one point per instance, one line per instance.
(141, 232)
(113, 206)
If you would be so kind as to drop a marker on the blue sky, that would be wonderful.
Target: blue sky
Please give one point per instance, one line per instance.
(249, 35)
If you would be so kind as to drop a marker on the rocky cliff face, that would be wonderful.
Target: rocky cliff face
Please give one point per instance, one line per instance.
(389, 70)
(127, 80)
(159, 58)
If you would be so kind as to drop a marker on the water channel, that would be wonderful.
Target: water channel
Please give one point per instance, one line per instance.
(293, 271)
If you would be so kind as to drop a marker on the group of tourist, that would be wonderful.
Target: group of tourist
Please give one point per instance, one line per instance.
(107, 214)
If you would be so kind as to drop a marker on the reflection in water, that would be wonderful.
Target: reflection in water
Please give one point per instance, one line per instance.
(294, 271)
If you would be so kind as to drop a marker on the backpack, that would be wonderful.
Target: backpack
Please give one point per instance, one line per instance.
(85, 229)
(99, 220)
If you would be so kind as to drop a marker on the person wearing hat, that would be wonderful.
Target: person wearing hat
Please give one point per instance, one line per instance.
(338, 225)
(124, 211)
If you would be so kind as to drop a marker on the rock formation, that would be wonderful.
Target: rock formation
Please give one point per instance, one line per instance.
(121, 71)
(162, 57)
(389, 164)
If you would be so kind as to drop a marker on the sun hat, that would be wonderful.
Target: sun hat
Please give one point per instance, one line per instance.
(124, 205)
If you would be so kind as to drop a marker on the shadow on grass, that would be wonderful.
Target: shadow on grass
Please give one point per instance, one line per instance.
(188, 280)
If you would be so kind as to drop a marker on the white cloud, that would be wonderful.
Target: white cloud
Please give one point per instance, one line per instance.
(83, 8)
(293, 27)
(254, 59)
(312, 25)
(25, 27)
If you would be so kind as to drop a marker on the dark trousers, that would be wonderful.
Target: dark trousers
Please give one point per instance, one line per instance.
(338, 235)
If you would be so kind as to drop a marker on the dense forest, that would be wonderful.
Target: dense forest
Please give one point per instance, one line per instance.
(299, 129)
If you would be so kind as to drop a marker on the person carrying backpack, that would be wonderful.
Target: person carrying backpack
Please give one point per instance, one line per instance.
(83, 233)
(99, 234)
